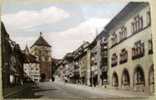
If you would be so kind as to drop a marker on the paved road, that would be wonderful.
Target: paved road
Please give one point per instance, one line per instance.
(61, 90)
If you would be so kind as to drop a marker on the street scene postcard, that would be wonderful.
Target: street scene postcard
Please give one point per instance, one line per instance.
(65, 49)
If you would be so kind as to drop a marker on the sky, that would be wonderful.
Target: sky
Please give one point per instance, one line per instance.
(64, 24)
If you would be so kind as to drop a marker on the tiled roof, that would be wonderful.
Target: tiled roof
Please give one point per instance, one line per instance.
(3, 30)
(29, 58)
(41, 42)
(128, 10)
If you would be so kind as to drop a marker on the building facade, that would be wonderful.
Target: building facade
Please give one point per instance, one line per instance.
(68, 68)
(83, 62)
(103, 58)
(130, 49)
(12, 61)
(42, 50)
(31, 66)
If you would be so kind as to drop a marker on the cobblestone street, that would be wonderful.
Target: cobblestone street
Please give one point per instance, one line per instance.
(66, 90)
(63, 90)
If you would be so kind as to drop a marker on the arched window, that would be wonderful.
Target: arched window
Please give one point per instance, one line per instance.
(115, 80)
(125, 78)
(151, 78)
(139, 78)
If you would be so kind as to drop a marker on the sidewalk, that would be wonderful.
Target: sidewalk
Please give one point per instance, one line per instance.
(102, 90)
(17, 91)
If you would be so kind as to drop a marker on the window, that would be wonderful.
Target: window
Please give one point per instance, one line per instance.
(140, 23)
(139, 76)
(115, 80)
(37, 69)
(32, 68)
(133, 27)
(25, 69)
(138, 50)
(137, 24)
(150, 46)
(95, 63)
(123, 33)
(148, 18)
(43, 59)
(123, 56)
(114, 39)
(114, 60)
(46, 59)
(125, 78)
(104, 53)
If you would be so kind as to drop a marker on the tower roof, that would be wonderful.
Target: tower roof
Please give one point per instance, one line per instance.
(41, 41)
(26, 50)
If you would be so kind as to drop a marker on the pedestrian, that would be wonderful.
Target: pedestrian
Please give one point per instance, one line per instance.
(53, 79)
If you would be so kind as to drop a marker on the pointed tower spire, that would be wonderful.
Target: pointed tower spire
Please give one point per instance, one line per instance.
(41, 33)
(26, 50)
(96, 31)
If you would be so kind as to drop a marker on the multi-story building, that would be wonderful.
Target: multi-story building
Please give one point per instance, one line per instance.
(31, 66)
(55, 65)
(60, 71)
(103, 57)
(42, 50)
(65, 70)
(69, 68)
(83, 63)
(12, 60)
(99, 60)
(130, 49)
(76, 67)
(94, 63)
